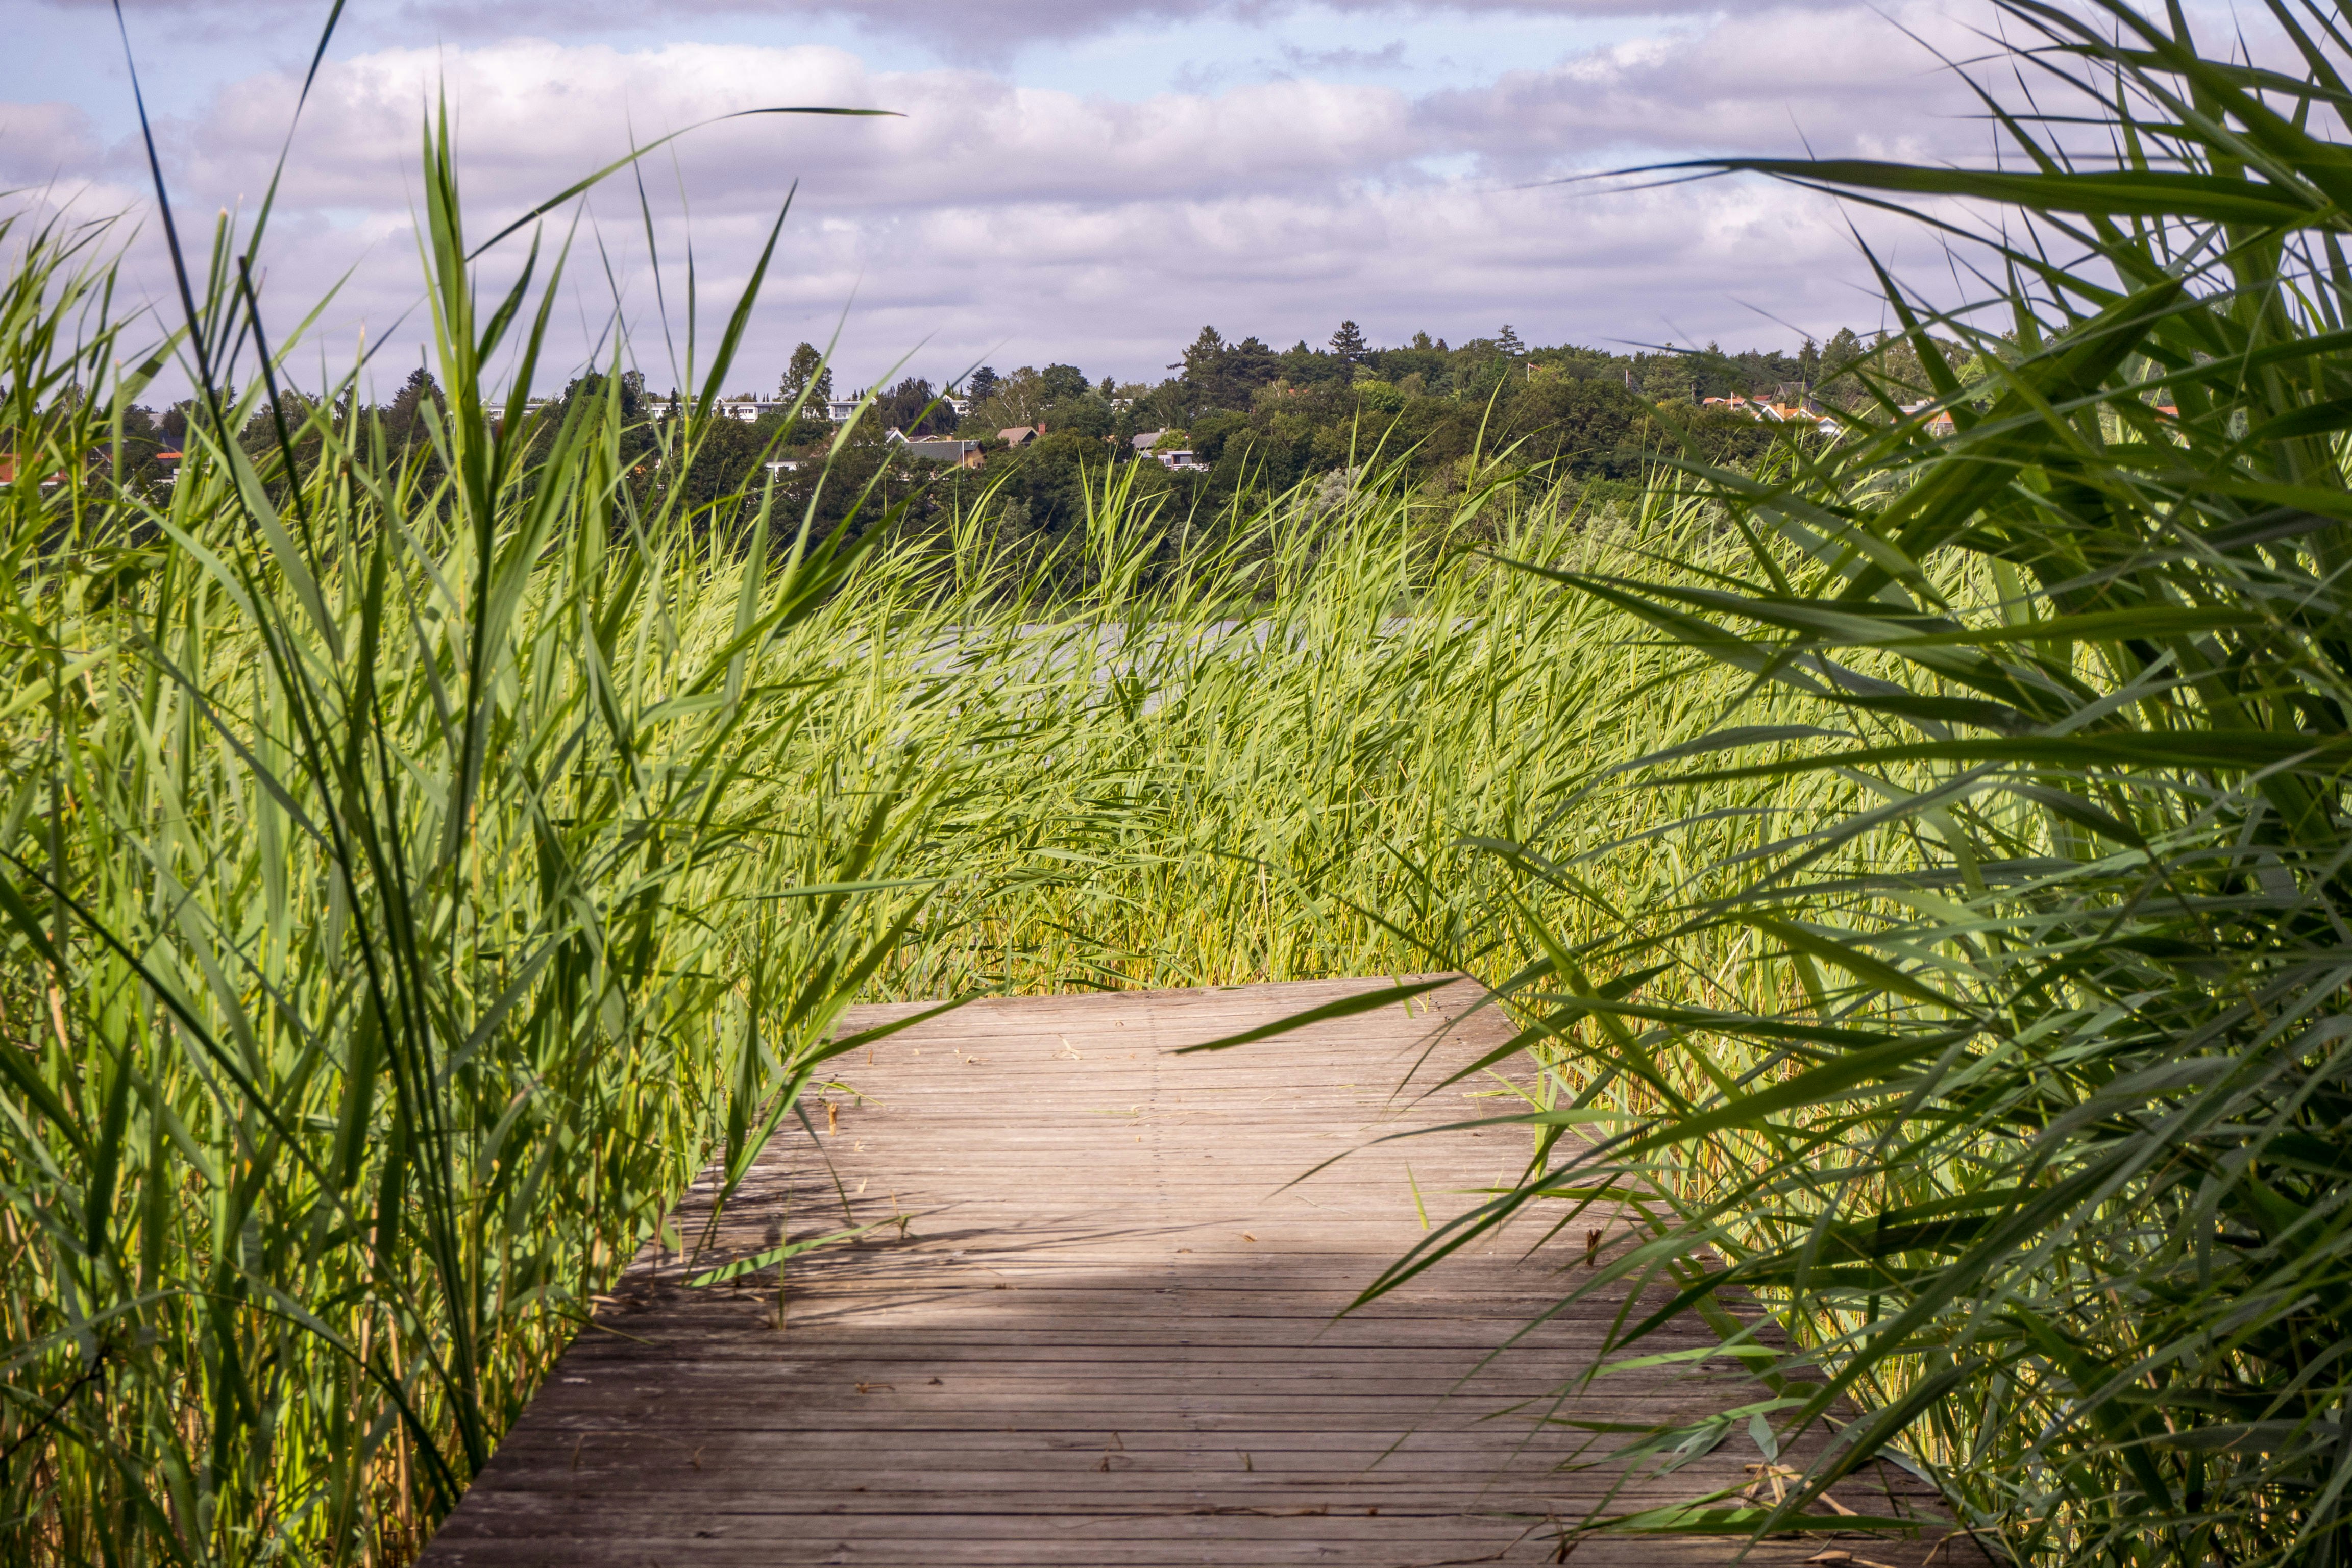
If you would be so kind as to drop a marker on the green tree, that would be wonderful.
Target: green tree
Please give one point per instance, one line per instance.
(405, 418)
(1050, 479)
(807, 372)
(1017, 399)
(1666, 376)
(1211, 431)
(1304, 366)
(1837, 356)
(1348, 342)
(1223, 375)
(1084, 415)
(912, 408)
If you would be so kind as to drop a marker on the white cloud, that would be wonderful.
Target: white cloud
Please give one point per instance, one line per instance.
(39, 139)
(1019, 225)
(529, 111)
(971, 29)
(1843, 82)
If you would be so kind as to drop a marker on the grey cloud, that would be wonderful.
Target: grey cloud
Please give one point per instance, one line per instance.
(1762, 81)
(528, 110)
(1019, 225)
(1389, 56)
(43, 142)
(985, 30)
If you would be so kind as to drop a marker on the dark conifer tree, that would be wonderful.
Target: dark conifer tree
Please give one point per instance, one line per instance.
(404, 418)
(806, 371)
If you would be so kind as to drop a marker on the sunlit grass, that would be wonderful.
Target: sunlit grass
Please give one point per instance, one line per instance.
(419, 863)
(2038, 1143)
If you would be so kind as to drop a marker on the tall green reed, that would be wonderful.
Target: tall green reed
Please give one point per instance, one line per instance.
(421, 860)
(389, 916)
(2040, 1155)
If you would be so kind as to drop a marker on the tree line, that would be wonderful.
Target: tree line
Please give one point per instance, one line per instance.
(1260, 418)
(1256, 419)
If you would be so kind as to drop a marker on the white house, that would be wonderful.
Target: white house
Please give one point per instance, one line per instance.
(747, 409)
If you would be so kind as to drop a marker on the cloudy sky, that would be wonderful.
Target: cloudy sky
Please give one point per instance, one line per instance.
(1080, 180)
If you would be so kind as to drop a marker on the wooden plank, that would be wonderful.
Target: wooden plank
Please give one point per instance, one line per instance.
(1094, 1316)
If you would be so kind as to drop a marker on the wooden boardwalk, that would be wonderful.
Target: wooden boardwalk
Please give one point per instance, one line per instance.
(1095, 1326)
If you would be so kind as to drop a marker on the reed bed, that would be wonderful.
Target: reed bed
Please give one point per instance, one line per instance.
(422, 859)
(1916, 864)
(386, 936)
(2040, 1156)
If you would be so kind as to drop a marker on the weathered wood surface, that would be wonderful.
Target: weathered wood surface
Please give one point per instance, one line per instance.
(1105, 1331)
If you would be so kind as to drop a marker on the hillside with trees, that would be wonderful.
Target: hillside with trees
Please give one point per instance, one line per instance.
(1256, 420)
(1259, 419)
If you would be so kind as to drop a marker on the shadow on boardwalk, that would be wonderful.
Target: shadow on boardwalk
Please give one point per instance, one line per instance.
(1096, 1323)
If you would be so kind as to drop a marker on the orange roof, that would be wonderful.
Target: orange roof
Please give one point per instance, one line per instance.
(8, 471)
